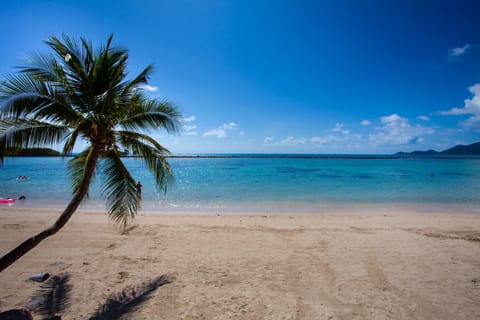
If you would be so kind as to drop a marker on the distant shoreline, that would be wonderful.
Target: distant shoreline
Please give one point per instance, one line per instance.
(326, 156)
(471, 151)
(296, 156)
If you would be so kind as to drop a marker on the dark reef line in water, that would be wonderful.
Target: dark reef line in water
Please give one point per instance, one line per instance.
(325, 156)
(299, 156)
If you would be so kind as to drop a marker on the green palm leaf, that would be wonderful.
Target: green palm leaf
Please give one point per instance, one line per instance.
(41, 67)
(120, 189)
(151, 114)
(151, 154)
(141, 79)
(25, 97)
(23, 133)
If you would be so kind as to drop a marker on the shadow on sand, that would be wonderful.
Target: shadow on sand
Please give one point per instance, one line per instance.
(129, 299)
(53, 298)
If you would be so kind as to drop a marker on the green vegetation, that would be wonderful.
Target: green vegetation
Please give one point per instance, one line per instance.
(76, 93)
(33, 152)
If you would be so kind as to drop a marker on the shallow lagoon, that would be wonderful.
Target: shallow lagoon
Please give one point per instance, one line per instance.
(260, 182)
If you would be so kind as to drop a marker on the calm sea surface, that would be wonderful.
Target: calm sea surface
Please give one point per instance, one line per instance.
(265, 182)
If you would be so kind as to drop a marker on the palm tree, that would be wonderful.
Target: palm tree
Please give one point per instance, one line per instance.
(77, 93)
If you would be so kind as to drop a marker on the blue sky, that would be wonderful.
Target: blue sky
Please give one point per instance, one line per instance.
(285, 76)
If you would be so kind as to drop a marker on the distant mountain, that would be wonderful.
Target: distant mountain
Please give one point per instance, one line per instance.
(471, 149)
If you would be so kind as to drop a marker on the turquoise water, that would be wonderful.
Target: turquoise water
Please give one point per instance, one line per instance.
(307, 182)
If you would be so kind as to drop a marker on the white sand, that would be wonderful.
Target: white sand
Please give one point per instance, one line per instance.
(389, 264)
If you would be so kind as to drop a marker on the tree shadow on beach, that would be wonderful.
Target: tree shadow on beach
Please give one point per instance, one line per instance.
(129, 299)
(53, 297)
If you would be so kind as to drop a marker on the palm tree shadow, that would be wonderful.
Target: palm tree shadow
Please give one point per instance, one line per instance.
(129, 299)
(53, 297)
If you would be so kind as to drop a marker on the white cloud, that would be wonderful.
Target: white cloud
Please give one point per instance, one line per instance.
(471, 107)
(393, 119)
(319, 141)
(290, 141)
(396, 130)
(230, 126)
(293, 142)
(190, 130)
(455, 52)
(221, 132)
(148, 88)
(316, 141)
(189, 119)
(339, 128)
(424, 118)
(365, 123)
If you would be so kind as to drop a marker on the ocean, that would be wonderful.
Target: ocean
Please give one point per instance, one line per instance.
(307, 183)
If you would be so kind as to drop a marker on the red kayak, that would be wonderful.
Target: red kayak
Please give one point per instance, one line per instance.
(7, 200)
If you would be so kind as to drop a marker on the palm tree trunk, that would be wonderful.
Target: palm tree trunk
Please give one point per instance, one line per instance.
(32, 242)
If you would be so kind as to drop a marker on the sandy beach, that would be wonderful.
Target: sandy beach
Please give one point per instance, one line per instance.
(386, 264)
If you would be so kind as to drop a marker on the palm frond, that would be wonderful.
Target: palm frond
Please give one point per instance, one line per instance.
(130, 138)
(152, 114)
(110, 72)
(27, 133)
(23, 133)
(53, 295)
(76, 167)
(71, 139)
(72, 54)
(120, 189)
(75, 70)
(142, 78)
(24, 96)
(151, 153)
(41, 67)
